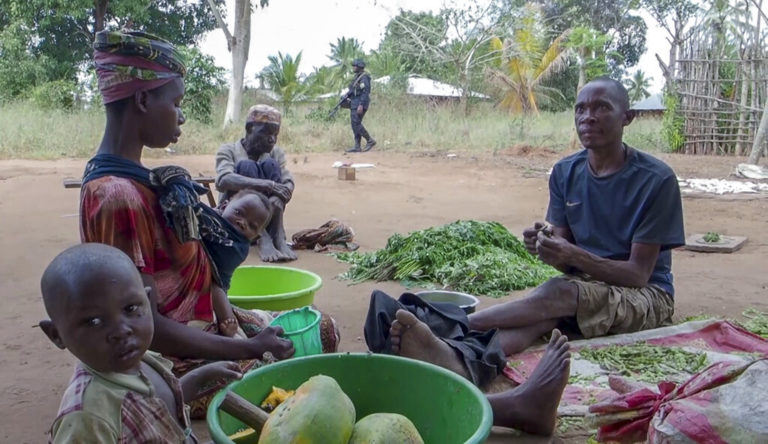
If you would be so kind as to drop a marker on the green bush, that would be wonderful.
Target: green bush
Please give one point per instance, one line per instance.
(203, 82)
(58, 94)
(673, 124)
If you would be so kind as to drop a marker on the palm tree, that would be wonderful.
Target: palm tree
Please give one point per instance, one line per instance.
(343, 53)
(637, 86)
(282, 77)
(525, 60)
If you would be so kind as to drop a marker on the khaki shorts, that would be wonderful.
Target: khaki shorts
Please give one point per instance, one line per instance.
(607, 309)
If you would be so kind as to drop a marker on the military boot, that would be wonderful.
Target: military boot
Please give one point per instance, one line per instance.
(356, 148)
(369, 145)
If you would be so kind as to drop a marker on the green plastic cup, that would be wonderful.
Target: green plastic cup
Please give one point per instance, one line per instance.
(302, 327)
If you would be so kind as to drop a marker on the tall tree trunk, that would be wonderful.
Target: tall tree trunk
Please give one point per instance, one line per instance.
(760, 137)
(741, 131)
(240, 44)
(99, 14)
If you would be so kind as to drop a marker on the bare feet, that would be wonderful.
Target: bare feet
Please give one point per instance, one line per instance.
(532, 406)
(413, 339)
(267, 249)
(285, 250)
(228, 327)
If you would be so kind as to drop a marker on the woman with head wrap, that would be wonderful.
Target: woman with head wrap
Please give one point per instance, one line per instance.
(126, 205)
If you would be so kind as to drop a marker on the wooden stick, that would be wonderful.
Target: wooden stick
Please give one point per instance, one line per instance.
(251, 415)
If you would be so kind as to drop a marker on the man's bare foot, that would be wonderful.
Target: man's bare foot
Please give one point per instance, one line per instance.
(413, 339)
(228, 327)
(285, 250)
(267, 249)
(532, 406)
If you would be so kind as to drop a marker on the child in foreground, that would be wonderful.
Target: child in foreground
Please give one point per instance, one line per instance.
(248, 214)
(99, 310)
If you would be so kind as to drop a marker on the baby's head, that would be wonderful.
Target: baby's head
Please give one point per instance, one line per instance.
(98, 307)
(249, 211)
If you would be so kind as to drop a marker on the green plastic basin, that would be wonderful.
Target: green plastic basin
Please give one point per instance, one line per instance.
(443, 406)
(273, 288)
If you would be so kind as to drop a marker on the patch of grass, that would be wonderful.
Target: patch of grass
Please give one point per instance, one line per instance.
(398, 122)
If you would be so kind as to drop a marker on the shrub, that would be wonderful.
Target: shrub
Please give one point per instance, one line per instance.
(58, 94)
(673, 124)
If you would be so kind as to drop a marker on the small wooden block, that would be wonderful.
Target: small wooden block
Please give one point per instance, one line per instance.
(727, 244)
(346, 173)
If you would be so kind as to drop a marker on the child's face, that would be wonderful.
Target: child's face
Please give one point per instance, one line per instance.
(108, 324)
(248, 214)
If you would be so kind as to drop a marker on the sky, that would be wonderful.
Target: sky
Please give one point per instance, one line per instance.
(310, 26)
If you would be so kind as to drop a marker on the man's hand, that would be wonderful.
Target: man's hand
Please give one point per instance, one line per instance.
(360, 110)
(553, 249)
(530, 235)
(269, 340)
(283, 192)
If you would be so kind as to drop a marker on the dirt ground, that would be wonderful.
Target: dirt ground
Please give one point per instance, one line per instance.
(405, 192)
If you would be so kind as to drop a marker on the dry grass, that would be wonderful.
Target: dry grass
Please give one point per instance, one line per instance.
(398, 123)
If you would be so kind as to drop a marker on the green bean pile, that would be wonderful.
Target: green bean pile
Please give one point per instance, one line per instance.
(757, 322)
(480, 258)
(645, 362)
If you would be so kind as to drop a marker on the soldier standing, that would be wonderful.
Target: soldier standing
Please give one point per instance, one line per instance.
(359, 95)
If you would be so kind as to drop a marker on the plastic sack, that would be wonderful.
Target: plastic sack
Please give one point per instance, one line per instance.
(723, 403)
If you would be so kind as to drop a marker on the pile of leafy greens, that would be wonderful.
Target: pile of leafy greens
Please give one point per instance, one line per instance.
(480, 258)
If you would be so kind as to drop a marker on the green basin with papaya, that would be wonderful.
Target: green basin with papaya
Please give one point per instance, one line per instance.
(444, 407)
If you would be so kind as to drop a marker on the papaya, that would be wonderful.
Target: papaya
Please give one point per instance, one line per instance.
(318, 413)
(385, 428)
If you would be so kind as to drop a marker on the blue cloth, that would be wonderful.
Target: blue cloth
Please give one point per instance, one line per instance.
(638, 204)
(225, 256)
(264, 169)
(102, 165)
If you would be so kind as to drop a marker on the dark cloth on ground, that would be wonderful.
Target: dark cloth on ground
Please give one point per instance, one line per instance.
(638, 204)
(480, 352)
(332, 235)
(267, 169)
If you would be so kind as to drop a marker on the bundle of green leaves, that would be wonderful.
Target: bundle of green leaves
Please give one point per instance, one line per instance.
(480, 258)
(646, 362)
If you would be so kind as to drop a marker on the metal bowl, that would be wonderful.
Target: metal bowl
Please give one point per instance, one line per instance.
(467, 302)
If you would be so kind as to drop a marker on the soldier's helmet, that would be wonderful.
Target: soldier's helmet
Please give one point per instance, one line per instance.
(358, 62)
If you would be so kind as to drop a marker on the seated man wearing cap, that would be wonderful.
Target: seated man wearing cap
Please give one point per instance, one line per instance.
(255, 162)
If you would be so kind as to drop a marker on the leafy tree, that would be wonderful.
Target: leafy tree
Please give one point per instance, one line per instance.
(457, 40)
(282, 76)
(45, 41)
(637, 86)
(343, 53)
(20, 68)
(410, 35)
(525, 59)
(614, 18)
(204, 80)
(386, 63)
(589, 46)
(322, 80)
